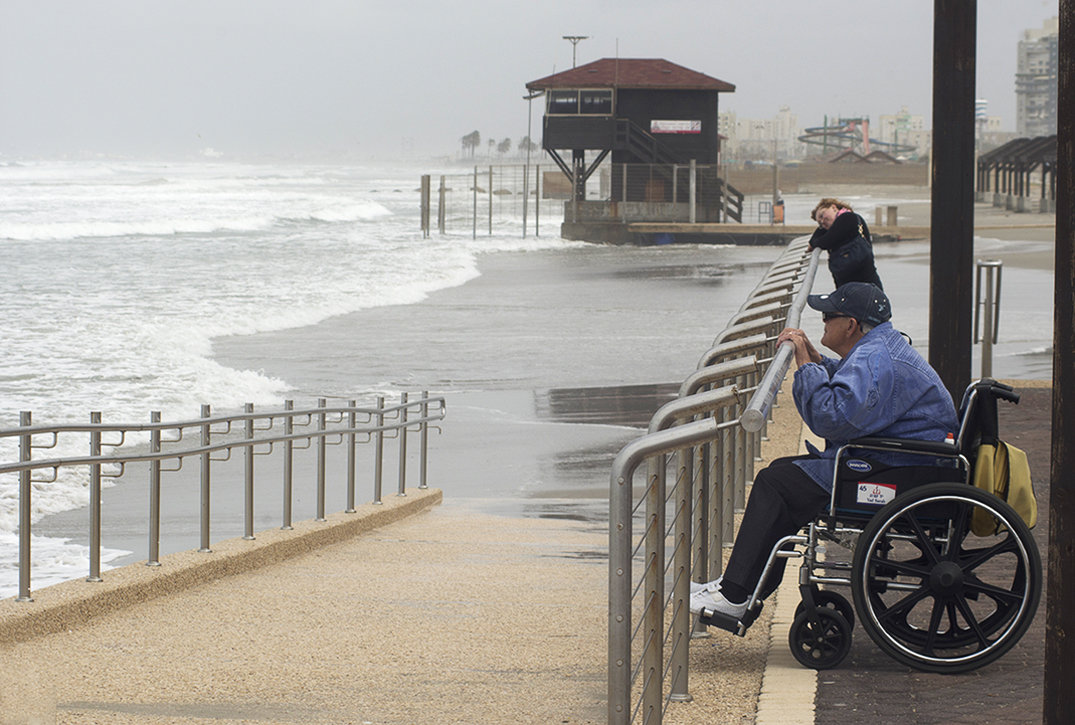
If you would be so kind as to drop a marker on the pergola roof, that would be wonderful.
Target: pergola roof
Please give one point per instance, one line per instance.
(1022, 151)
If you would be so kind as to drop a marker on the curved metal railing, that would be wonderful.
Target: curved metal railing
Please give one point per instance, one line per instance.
(698, 456)
(113, 446)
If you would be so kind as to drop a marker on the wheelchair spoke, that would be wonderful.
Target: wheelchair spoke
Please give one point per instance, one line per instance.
(911, 567)
(1000, 595)
(968, 615)
(980, 556)
(923, 540)
(899, 610)
(960, 526)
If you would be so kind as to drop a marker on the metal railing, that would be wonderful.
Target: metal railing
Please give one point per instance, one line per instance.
(503, 198)
(113, 446)
(699, 454)
(687, 192)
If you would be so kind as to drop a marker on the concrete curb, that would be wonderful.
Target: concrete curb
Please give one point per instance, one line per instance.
(70, 604)
(788, 689)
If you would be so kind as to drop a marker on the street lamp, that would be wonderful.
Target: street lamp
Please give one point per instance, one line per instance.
(574, 40)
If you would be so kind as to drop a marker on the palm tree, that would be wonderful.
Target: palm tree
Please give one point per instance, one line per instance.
(470, 142)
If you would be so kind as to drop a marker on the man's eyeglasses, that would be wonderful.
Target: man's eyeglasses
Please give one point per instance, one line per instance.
(825, 317)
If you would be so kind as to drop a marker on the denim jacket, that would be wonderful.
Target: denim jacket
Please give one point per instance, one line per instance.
(882, 388)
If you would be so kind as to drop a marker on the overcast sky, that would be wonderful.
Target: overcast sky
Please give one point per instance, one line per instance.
(380, 78)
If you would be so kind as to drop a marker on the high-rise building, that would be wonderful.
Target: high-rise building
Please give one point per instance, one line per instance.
(1036, 81)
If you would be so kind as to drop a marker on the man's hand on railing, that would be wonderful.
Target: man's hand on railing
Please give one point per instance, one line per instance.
(805, 352)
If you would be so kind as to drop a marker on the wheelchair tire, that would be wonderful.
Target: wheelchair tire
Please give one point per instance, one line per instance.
(820, 642)
(933, 595)
(831, 600)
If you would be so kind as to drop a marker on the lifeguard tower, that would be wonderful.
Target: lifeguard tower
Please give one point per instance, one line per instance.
(658, 121)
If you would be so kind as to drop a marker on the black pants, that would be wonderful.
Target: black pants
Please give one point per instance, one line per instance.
(782, 500)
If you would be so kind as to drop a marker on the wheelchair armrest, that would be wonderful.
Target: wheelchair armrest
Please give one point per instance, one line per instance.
(906, 445)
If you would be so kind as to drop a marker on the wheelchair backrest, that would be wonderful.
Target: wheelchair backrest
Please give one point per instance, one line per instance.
(978, 415)
(862, 486)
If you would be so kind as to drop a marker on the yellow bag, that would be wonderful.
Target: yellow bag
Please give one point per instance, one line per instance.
(1004, 471)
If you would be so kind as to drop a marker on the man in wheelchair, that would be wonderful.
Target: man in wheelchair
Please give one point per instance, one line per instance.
(878, 387)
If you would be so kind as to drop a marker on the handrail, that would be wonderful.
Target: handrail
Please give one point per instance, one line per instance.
(698, 458)
(757, 411)
(248, 430)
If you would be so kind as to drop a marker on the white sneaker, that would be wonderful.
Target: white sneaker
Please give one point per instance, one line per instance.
(709, 600)
(699, 586)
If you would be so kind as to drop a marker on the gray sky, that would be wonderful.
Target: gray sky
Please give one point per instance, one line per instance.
(375, 78)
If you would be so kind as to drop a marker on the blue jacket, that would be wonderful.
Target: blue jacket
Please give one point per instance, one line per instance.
(882, 388)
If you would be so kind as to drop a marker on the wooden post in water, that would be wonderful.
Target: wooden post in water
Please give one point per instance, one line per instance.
(537, 196)
(1059, 697)
(442, 213)
(425, 206)
(952, 192)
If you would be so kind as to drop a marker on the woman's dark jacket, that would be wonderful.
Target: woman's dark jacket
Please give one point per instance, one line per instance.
(845, 228)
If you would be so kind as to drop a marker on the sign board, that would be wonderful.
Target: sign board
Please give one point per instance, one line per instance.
(656, 126)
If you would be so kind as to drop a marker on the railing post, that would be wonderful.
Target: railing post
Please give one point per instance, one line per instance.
(321, 403)
(248, 479)
(378, 451)
(25, 452)
(205, 488)
(351, 421)
(989, 307)
(694, 191)
(95, 501)
(289, 459)
(653, 592)
(727, 491)
(744, 455)
(423, 442)
(402, 445)
(154, 493)
(704, 521)
(679, 665)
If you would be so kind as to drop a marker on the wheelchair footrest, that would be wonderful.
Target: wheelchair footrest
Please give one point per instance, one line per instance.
(737, 627)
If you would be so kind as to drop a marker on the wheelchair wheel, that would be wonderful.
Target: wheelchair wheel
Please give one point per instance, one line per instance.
(935, 596)
(822, 641)
(831, 600)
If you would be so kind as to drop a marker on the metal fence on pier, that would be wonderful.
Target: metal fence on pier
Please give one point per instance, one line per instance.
(112, 447)
(522, 198)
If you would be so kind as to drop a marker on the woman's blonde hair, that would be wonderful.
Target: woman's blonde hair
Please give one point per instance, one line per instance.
(829, 201)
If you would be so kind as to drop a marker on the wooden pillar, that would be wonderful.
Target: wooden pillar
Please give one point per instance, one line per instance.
(1059, 696)
(952, 184)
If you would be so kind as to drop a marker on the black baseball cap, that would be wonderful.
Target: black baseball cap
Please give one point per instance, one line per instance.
(861, 300)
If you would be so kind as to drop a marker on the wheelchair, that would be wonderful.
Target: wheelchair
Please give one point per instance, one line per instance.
(929, 592)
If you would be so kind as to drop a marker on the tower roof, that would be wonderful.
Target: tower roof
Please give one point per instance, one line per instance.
(631, 73)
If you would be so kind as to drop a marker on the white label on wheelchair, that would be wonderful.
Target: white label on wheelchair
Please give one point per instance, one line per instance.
(875, 494)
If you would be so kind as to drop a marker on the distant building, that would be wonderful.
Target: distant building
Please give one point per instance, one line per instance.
(902, 134)
(1037, 62)
(762, 139)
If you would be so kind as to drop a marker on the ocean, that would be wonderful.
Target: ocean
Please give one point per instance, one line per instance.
(129, 287)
